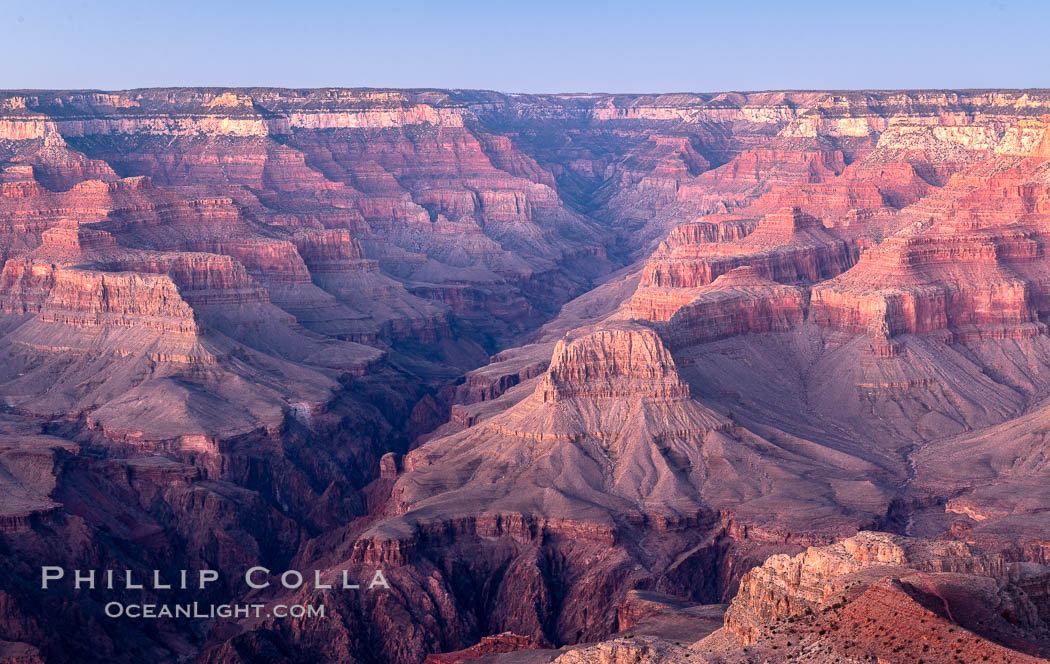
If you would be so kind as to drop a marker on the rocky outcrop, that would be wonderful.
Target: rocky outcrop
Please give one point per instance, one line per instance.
(85, 298)
(928, 282)
(204, 280)
(620, 362)
(789, 246)
(924, 590)
(738, 302)
(787, 586)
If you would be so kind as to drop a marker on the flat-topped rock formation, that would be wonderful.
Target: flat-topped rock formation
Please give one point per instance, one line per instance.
(611, 363)
(609, 389)
(927, 282)
(788, 246)
(740, 301)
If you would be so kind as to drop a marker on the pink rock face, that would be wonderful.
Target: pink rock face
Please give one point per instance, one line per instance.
(611, 363)
(591, 378)
(927, 283)
(787, 246)
(978, 271)
(738, 302)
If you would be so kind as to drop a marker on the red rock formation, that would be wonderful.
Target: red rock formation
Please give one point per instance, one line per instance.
(738, 302)
(890, 597)
(611, 363)
(788, 246)
(933, 282)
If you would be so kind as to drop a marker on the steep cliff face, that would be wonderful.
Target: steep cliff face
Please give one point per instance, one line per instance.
(971, 265)
(740, 301)
(337, 263)
(611, 363)
(788, 246)
(928, 282)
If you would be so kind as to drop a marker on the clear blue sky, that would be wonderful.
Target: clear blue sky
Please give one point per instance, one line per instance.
(523, 46)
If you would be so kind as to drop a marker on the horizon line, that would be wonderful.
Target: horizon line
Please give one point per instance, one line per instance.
(4, 90)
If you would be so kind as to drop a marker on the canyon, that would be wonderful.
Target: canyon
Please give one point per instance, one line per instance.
(637, 379)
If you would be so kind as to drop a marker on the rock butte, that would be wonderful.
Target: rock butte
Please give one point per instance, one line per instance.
(593, 378)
